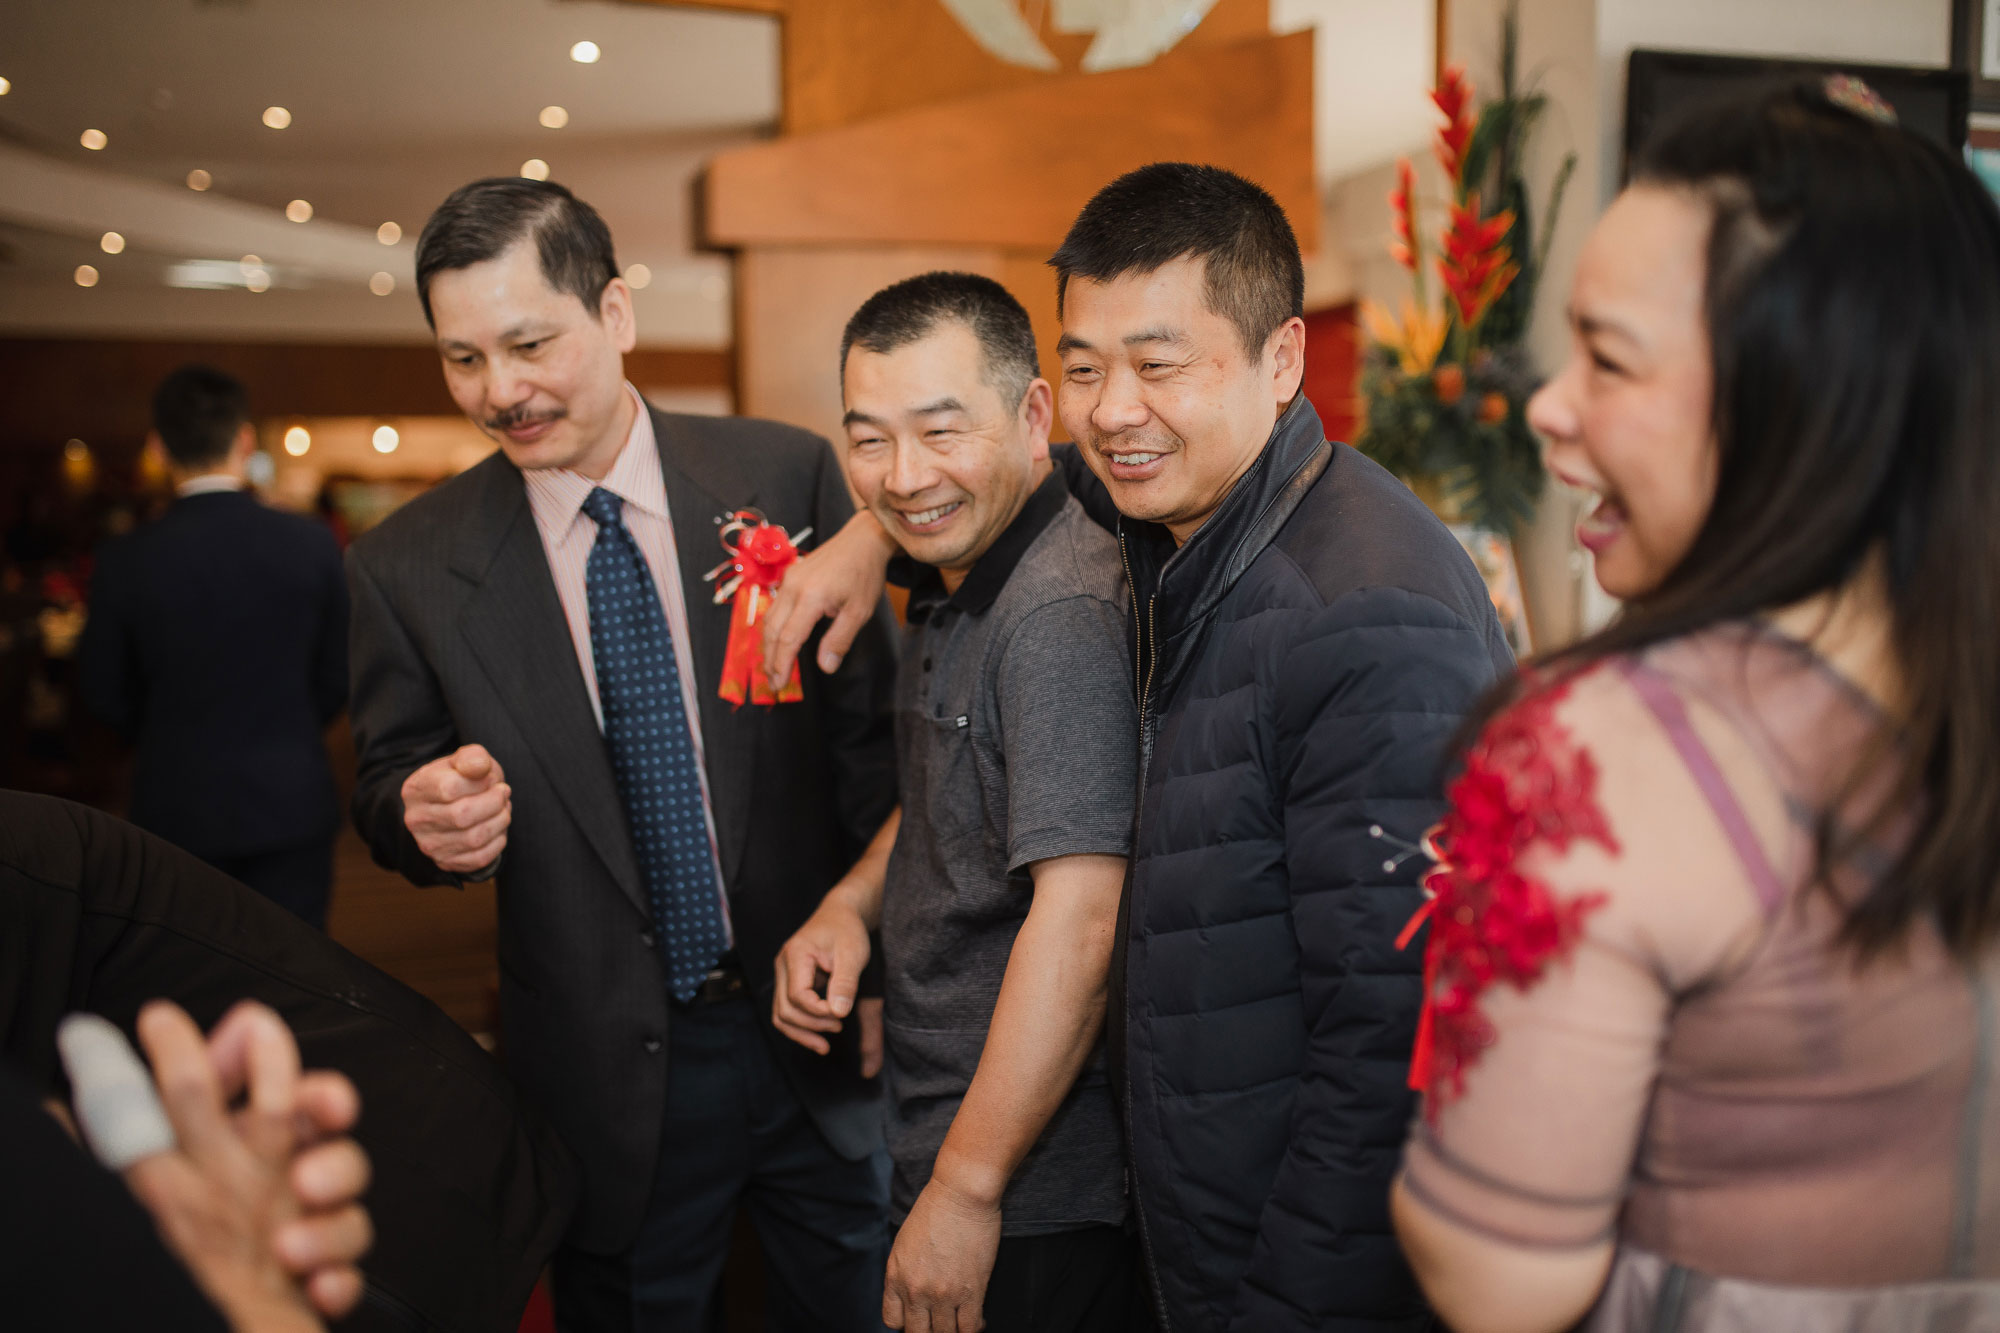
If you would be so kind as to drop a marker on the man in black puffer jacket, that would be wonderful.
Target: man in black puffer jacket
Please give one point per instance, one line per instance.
(1308, 638)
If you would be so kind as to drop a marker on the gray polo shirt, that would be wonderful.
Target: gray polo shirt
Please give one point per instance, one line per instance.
(1016, 741)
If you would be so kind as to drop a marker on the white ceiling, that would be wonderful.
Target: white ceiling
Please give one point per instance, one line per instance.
(396, 102)
(393, 103)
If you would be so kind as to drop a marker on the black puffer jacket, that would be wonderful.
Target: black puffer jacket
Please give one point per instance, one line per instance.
(1303, 661)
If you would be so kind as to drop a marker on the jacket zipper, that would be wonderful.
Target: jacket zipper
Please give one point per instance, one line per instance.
(1145, 657)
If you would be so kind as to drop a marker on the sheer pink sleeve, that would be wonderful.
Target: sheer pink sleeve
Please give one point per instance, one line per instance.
(1587, 875)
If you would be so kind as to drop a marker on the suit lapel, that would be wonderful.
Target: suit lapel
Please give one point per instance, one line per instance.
(515, 625)
(700, 487)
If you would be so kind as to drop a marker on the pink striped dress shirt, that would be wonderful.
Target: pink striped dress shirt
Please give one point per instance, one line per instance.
(555, 497)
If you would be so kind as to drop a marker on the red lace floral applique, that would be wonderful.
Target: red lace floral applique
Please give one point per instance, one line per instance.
(1524, 782)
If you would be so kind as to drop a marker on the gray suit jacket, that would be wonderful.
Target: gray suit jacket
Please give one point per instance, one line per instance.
(459, 637)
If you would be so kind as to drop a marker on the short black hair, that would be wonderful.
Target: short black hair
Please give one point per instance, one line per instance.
(905, 311)
(485, 219)
(197, 411)
(1148, 218)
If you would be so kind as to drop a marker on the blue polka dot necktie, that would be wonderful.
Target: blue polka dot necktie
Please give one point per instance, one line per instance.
(652, 750)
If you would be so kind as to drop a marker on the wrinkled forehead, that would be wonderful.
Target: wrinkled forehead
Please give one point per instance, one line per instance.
(1168, 303)
(944, 368)
(484, 301)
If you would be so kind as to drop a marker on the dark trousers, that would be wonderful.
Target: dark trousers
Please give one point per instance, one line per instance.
(298, 879)
(1084, 1281)
(736, 1133)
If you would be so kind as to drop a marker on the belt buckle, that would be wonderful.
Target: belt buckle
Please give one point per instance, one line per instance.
(720, 984)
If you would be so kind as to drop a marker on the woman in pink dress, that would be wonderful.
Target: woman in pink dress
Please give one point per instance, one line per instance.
(1714, 956)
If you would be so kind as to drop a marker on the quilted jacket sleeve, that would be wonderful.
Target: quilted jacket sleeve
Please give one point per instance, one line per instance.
(1368, 694)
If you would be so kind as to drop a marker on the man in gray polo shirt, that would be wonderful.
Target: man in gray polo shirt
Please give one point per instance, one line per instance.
(996, 889)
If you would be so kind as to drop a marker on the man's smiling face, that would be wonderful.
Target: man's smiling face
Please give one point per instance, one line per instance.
(935, 450)
(1159, 393)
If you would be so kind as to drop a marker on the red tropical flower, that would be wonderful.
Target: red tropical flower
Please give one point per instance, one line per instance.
(1403, 205)
(1453, 96)
(1476, 266)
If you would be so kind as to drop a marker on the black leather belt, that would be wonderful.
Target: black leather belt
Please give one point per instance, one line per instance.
(724, 982)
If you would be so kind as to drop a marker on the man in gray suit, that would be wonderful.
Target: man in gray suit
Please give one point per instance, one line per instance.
(536, 675)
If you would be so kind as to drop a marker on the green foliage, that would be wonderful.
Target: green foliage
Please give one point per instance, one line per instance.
(1441, 428)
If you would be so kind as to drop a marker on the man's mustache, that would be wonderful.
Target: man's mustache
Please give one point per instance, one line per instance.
(516, 417)
(1139, 441)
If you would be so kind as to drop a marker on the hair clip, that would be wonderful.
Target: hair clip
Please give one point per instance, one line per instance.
(1852, 94)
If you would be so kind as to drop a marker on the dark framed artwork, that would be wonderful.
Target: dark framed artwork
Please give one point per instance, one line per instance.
(1660, 84)
(1975, 48)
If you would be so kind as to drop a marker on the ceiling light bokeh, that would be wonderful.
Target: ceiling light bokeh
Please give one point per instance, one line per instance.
(382, 284)
(388, 233)
(385, 439)
(553, 117)
(5, 87)
(535, 169)
(199, 179)
(93, 139)
(297, 440)
(85, 276)
(257, 279)
(299, 211)
(215, 275)
(585, 53)
(111, 243)
(638, 276)
(277, 117)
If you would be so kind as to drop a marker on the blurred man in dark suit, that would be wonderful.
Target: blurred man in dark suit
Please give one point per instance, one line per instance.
(217, 640)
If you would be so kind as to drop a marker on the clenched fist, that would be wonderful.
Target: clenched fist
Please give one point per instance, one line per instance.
(458, 809)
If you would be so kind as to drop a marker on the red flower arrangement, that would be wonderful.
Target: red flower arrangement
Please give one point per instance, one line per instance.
(1445, 382)
(1525, 782)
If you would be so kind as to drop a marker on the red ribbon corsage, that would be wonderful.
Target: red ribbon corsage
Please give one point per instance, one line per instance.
(759, 554)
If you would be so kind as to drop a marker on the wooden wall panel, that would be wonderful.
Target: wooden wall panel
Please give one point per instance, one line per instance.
(772, 7)
(853, 60)
(791, 305)
(1010, 170)
(1028, 275)
(850, 60)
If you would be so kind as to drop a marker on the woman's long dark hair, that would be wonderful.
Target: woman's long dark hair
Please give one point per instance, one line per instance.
(1853, 308)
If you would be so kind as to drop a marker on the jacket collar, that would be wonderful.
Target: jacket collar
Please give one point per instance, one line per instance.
(989, 574)
(1189, 582)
